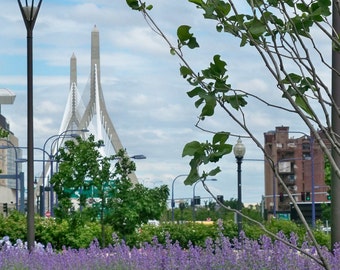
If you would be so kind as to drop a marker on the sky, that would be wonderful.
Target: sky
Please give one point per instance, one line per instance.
(144, 92)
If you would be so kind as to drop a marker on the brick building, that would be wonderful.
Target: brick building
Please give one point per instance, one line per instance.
(300, 162)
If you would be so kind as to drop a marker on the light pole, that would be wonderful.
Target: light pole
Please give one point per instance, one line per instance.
(22, 201)
(239, 151)
(42, 195)
(172, 196)
(194, 195)
(29, 14)
(335, 185)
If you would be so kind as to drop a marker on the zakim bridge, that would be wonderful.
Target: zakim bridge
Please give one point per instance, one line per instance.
(83, 112)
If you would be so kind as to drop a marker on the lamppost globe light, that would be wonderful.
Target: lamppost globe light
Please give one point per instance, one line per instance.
(239, 149)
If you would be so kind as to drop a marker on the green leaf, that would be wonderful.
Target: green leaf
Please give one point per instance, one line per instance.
(244, 40)
(219, 28)
(236, 101)
(291, 78)
(220, 137)
(192, 43)
(192, 178)
(214, 171)
(222, 9)
(216, 70)
(133, 4)
(191, 148)
(197, 91)
(197, 2)
(303, 104)
(185, 71)
(183, 33)
(149, 7)
(256, 28)
(302, 7)
(185, 37)
(210, 104)
(199, 102)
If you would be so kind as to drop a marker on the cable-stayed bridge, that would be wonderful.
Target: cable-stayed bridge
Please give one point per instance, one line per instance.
(86, 111)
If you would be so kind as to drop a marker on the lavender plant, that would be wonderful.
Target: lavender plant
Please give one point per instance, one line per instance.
(223, 253)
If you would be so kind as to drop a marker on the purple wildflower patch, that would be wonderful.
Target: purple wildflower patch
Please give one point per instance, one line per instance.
(222, 253)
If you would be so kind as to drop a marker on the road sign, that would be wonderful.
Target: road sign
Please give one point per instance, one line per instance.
(48, 214)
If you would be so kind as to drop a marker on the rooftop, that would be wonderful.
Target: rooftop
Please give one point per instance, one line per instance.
(6, 96)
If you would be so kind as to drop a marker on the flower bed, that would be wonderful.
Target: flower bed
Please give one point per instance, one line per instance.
(221, 254)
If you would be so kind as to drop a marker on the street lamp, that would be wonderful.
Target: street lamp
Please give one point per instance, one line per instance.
(29, 14)
(194, 196)
(239, 151)
(57, 137)
(172, 196)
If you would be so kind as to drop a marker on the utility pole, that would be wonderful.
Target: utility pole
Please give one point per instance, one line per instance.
(335, 180)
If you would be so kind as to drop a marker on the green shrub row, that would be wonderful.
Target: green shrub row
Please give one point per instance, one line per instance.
(59, 234)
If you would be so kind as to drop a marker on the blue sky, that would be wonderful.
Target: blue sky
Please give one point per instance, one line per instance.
(145, 95)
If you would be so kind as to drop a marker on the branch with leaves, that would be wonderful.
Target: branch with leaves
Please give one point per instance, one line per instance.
(282, 33)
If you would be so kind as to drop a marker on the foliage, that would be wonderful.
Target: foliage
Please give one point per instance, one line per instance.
(223, 253)
(105, 193)
(286, 35)
(197, 233)
(14, 226)
(78, 163)
(64, 233)
(3, 133)
(204, 153)
(127, 212)
(185, 234)
(209, 211)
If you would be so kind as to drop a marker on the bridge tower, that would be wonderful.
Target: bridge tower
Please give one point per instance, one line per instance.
(76, 118)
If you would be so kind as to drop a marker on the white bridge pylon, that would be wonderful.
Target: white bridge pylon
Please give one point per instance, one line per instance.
(89, 110)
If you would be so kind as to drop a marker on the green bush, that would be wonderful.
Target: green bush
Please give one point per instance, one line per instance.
(196, 233)
(14, 226)
(62, 233)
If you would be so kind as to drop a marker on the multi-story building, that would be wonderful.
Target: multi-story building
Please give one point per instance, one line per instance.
(300, 164)
(9, 155)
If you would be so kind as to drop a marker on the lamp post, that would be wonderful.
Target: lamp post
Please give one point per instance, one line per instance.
(194, 195)
(172, 196)
(239, 151)
(22, 201)
(29, 14)
(42, 196)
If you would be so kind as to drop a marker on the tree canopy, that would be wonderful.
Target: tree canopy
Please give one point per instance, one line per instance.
(90, 186)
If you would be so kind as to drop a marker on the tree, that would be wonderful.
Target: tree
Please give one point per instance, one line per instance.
(79, 171)
(285, 35)
(130, 206)
(103, 192)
